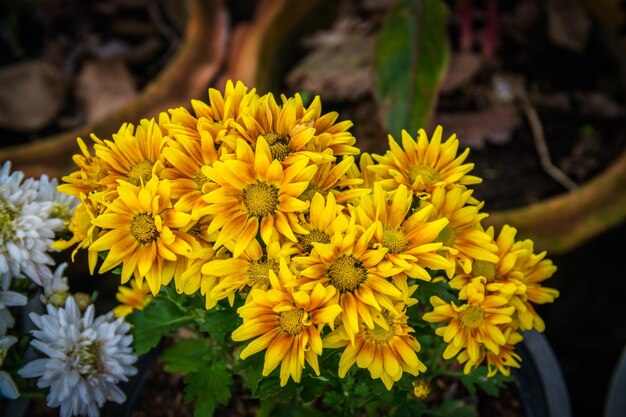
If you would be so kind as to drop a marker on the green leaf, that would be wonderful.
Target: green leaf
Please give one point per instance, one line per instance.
(490, 385)
(250, 369)
(209, 386)
(188, 355)
(220, 323)
(158, 319)
(451, 408)
(411, 58)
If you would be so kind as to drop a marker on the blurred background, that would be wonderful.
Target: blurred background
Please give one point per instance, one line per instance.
(534, 88)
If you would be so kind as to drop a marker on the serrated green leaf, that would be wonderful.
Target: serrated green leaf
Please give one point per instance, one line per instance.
(250, 369)
(208, 387)
(188, 355)
(158, 319)
(411, 58)
(220, 324)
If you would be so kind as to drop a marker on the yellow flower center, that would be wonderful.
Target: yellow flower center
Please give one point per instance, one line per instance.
(260, 199)
(143, 228)
(395, 241)
(87, 358)
(7, 215)
(310, 191)
(200, 179)
(258, 271)
(346, 273)
(378, 335)
(291, 321)
(195, 230)
(472, 316)
(142, 172)
(484, 269)
(446, 236)
(315, 236)
(279, 145)
(429, 175)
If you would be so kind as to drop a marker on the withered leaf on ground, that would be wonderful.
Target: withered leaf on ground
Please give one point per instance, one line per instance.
(32, 94)
(103, 86)
(474, 129)
(463, 67)
(341, 71)
(568, 24)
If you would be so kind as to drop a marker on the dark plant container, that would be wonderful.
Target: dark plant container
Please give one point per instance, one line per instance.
(540, 383)
(616, 395)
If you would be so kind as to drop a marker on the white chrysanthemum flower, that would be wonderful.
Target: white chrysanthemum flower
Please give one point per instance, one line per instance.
(9, 299)
(26, 229)
(63, 205)
(8, 389)
(87, 358)
(56, 289)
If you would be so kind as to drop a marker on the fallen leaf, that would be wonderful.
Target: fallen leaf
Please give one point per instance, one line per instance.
(474, 129)
(462, 69)
(31, 95)
(338, 72)
(568, 24)
(103, 86)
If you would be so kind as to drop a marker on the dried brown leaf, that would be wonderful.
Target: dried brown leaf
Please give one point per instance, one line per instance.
(31, 95)
(568, 24)
(103, 86)
(461, 70)
(474, 129)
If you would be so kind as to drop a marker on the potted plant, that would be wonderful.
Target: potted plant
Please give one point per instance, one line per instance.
(295, 272)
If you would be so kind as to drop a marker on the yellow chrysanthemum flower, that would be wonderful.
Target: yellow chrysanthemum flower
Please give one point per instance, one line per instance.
(83, 230)
(331, 178)
(87, 178)
(535, 269)
(409, 239)
(213, 118)
(131, 298)
(328, 134)
(134, 155)
(288, 139)
(325, 219)
(186, 158)
(286, 322)
(250, 270)
(255, 190)
(506, 358)
(463, 238)
(423, 165)
(387, 352)
(472, 324)
(137, 231)
(502, 361)
(186, 269)
(502, 277)
(350, 264)
(361, 171)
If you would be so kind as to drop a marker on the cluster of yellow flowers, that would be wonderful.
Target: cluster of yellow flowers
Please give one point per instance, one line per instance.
(248, 195)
